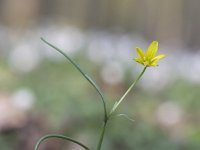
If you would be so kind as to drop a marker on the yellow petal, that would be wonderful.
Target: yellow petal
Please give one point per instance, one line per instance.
(138, 60)
(140, 53)
(153, 48)
(154, 65)
(155, 59)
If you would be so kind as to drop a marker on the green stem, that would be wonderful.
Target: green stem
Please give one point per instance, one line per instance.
(115, 107)
(60, 137)
(102, 136)
(125, 94)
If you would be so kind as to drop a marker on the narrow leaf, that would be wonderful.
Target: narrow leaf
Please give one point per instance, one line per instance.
(82, 72)
(60, 137)
(125, 116)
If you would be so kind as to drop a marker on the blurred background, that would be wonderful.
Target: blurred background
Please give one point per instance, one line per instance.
(41, 92)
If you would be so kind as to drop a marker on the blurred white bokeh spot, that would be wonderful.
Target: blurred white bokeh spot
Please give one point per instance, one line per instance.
(194, 68)
(14, 107)
(101, 47)
(23, 99)
(69, 39)
(112, 72)
(23, 58)
(156, 78)
(169, 113)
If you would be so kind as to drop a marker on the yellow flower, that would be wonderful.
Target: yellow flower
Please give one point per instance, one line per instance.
(148, 59)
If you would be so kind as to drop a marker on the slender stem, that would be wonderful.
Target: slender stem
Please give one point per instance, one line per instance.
(115, 107)
(125, 94)
(60, 137)
(102, 136)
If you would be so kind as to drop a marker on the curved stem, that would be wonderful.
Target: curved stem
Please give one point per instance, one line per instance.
(84, 74)
(125, 94)
(60, 137)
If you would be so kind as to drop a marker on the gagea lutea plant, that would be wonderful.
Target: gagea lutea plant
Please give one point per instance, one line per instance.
(147, 59)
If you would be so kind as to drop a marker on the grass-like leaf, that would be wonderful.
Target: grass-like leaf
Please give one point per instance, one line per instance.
(123, 115)
(83, 73)
(59, 137)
